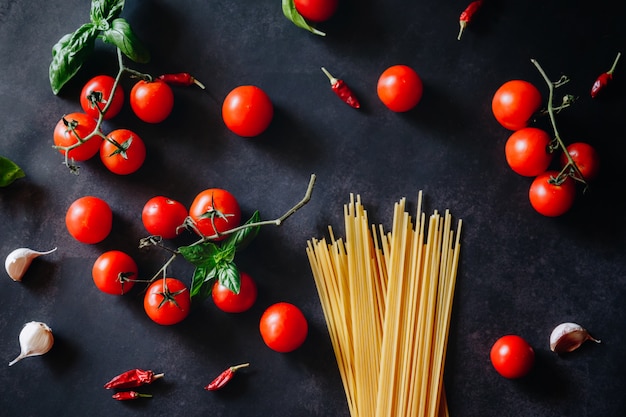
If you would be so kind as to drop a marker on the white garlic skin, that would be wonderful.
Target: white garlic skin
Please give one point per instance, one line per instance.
(18, 261)
(567, 337)
(35, 339)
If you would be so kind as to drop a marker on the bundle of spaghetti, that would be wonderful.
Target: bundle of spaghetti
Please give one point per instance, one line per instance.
(387, 300)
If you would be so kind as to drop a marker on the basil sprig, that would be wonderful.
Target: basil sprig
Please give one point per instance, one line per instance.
(73, 49)
(9, 171)
(290, 12)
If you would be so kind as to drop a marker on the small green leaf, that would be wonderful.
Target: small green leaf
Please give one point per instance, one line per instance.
(69, 54)
(290, 12)
(201, 254)
(122, 36)
(9, 171)
(104, 11)
(202, 281)
(228, 276)
(242, 238)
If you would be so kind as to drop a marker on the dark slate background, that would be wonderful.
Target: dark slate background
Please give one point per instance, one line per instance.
(520, 272)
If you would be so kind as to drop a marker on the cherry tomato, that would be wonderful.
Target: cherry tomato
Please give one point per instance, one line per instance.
(167, 301)
(585, 157)
(515, 103)
(512, 356)
(527, 151)
(152, 101)
(89, 219)
(114, 272)
(123, 152)
(400, 88)
(247, 111)
(215, 211)
(96, 94)
(283, 327)
(550, 199)
(161, 216)
(83, 125)
(228, 301)
(316, 10)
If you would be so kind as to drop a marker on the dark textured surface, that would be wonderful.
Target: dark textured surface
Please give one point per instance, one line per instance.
(520, 272)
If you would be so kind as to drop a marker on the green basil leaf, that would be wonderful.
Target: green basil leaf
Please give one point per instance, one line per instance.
(9, 171)
(224, 255)
(202, 281)
(104, 11)
(290, 12)
(69, 54)
(203, 254)
(228, 276)
(122, 36)
(242, 238)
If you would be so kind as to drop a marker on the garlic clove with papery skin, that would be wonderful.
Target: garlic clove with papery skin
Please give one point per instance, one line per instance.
(567, 337)
(18, 261)
(35, 339)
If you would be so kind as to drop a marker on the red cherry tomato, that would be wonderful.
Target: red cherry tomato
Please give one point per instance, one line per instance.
(114, 272)
(316, 10)
(399, 88)
(527, 151)
(89, 219)
(167, 301)
(515, 103)
(96, 94)
(550, 199)
(512, 356)
(123, 152)
(162, 216)
(247, 111)
(228, 301)
(283, 327)
(215, 211)
(83, 125)
(152, 101)
(585, 157)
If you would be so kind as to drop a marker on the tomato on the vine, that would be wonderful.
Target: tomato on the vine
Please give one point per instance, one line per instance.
(97, 93)
(66, 131)
(552, 199)
(229, 302)
(585, 157)
(215, 211)
(512, 356)
(162, 216)
(316, 10)
(152, 101)
(515, 103)
(527, 151)
(283, 327)
(167, 301)
(114, 272)
(89, 219)
(247, 111)
(123, 152)
(400, 88)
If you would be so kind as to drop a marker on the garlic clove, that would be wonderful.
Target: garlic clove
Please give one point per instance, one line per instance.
(35, 339)
(567, 337)
(18, 261)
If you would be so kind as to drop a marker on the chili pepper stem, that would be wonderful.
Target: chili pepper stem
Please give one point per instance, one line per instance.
(332, 79)
(237, 367)
(619, 54)
(463, 25)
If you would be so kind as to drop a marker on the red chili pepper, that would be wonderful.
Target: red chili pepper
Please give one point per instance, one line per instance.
(181, 78)
(342, 90)
(223, 378)
(604, 79)
(468, 14)
(129, 395)
(132, 378)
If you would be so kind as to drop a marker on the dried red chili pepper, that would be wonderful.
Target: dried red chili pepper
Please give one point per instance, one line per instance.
(342, 90)
(223, 378)
(132, 378)
(468, 14)
(181, 78)
(604, 79)
(129, 395)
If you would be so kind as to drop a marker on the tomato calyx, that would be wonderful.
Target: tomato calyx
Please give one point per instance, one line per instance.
(124, 277)
(120, 148)
(169, 296)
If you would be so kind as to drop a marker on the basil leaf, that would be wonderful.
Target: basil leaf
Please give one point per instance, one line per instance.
(69, 54)
(228, 276)
(242, 238)
(203, 254)
(290, 12)
(122, 36)
(201, 282)
(9, 171)
(104, 11)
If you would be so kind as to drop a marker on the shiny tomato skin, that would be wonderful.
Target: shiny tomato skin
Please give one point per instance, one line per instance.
(215, 206)
(514, 104)
(400, 88)
(283, 327)
(527, 151)
(167, 301)
(127, 161)
(512, 356)
(102, 85)
(585, 157)
(89, 219)
(247, 111)
(162, 216)
(111, 271)
(316, 10)
(152, 101)
(549, 199)
(64, 136)
(229, 302)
